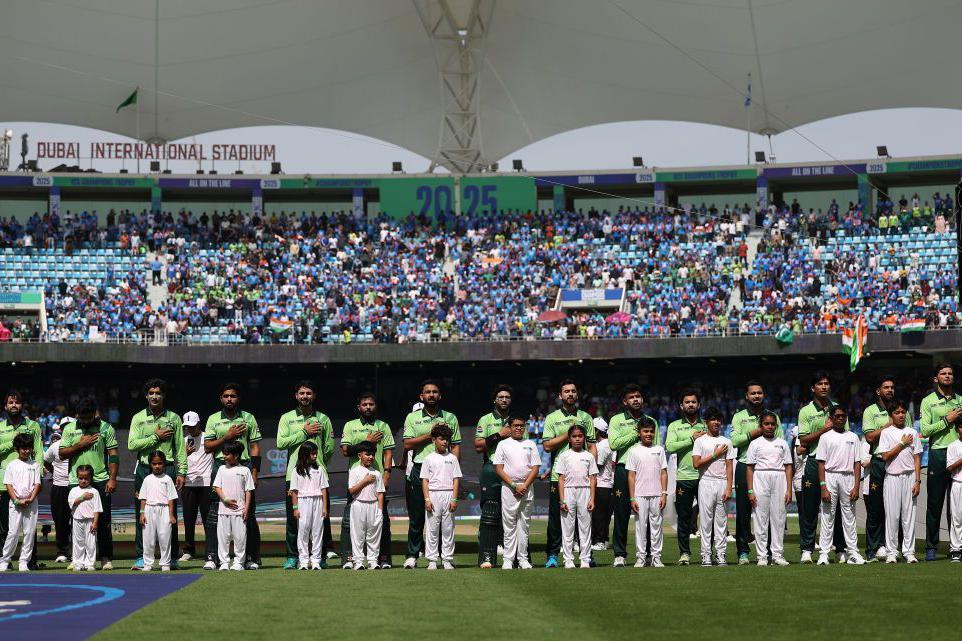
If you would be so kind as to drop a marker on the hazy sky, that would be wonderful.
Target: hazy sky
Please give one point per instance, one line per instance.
(907, 132)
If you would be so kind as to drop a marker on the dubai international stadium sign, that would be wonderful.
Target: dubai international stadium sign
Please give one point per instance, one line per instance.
(119, 150)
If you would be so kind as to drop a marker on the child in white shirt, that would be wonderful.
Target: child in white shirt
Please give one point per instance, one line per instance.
(839, 475)
(516, 462)
(577, 481)
(366, 486)
(440, 482)
(900, 447)
(769, 480)
(86, 507)
(157, 498)
(308, 497)
(647, 468)
(22, 481)
(233, 485)
(712, 455)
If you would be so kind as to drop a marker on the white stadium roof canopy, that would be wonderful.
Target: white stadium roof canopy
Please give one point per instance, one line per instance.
(465, 82)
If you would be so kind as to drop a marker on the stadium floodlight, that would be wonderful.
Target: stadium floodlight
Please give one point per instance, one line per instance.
(155, 165)
(637, 161)
(882, 151)
(124, 170)
(275, 168)
(166, 171)
(517, 165)
(238, 172)
(200, 172)
(759, 156)
(397, 167)
(8, 134)
(212, 172)
(493, 167)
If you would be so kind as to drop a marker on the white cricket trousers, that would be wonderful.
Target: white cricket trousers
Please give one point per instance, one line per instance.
(310, 529)
(366, 522)
(839, 485)
(648, 515)
(577, 517)
(25, 520)
(899, 508)
(516, 518)
(84, 544)
(955, 512)
(440, 521)
(157, 533)
(231, 527)
(769, 487)
(712, 517)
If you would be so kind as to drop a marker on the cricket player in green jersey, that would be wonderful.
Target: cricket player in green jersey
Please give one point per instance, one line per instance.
(814, 419)
(156, 429)
(88, 440)
(300, 425)
(367, 427)
(876, 418)
(941, 413)
(417, 441)
(745, 429)
(680, 440)
(492, 428)
(554, 439)
(233, 424)
(622, 436)
(16, 423)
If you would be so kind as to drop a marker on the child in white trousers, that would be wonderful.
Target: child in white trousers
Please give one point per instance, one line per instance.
(22, 483)
(577, 480)
(516, 462)
(85, 506)
(157, 498)
(769, 480)
(233, 485)
(839, 476)
(647, 468)
(366, 486)
(308, 500)
(901, 449)
(440, 482)
(953, 467)
(712, 455)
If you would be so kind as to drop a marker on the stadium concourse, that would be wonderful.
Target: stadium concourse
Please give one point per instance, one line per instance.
(304, 277)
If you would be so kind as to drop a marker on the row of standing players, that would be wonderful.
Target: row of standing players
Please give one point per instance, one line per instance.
(91, 441)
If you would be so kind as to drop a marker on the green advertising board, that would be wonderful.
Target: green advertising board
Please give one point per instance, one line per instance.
(109, 182)
(711, 175)
(430, 196)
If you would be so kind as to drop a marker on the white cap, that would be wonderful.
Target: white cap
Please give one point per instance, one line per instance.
(417, 407)
(62, 423)
(191, 419)
(601, 425)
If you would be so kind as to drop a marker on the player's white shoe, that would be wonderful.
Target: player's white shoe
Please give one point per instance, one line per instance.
(250, 565)
(359, 566)
(806, 556)
(585, 565)
(432, 565)
(315, 565)
(507, 566)
(722, 561)
(210, 565)
(410, 563)
(237, 567)
(224, 567)
(762, 561)
(303, 566)
(910, 558)
(331, 554)
(500, 550)
(147, 568)
(656, 562)
(855, 559)
(60, 559)
(184, 558)
(891, 558)
(780, 560)
(524, 564)
(569, 565)
(23, 568)
(599, 547)
(881, 553)
(684, 559)
(4, 567)
(165, 568)
(106, 566)
(373, 566)
(619, 562)
(822, 559)
(639, 563)
(347, 566)
(447, 565)
(706, 563)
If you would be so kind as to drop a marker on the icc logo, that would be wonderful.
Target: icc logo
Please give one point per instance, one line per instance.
(278, 459)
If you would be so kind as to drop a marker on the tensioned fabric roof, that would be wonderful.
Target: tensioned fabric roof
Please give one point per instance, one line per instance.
(369, 66)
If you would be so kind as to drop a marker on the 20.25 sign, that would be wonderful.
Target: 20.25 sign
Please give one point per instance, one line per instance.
(475, 198)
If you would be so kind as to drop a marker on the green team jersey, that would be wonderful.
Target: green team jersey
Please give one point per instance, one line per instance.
(623, 434)
(811, 418)
(420, 423)
(142, 438)
(558, 423)
(291, 435)
(96, 455)
(357, 430)
(874, 418)
(7, 433)
(678, 441)
(490, 424)
(218, 424)
(932, 419)
(742, 424)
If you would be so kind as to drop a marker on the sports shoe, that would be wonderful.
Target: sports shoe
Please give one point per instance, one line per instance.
(822, 559)
(331, 554)
(930, 555)
(23, 567)
(891, 558)
(432, 565)
(507, 566)
(722, 561)
(956, 557)
(315, 565)
(761, 561)
(569, 565)
(185, 557)
(410, 563)
(237, 567)
(639, 563)
(656, 562)
(744, 560)
(552, 562)
(684, 559)
(500, 550)
(856, 559)
(881, 552)
(447, 565)
(106, 566)
(250, 565)
(525, 564)
(780, 560)
(358, 566)
(806, 557)
(347, 565)
(224, 567)
(385, 565)
(599, 547)
(60, 559)
(373, 566)
(210, 565)
(290, 563)
(165, 568)
(585, 565)
(706, 563)
(303, 566)
(872, 557)
(730, 539)
(486, 565)
(145, 568)
(4, 567)
(619, 562)
(910, 558)
(138, 564)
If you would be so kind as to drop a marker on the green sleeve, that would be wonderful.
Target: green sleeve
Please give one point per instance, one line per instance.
(6, 447)
(930, 424)
(589, 426)
(137, 441)
(253, 431)
(622, 436)
(349, 435)
(180, 449)
(110, 437)
(69, 437)
(288, 437)
(210, 434)
(327, 440)
(740, 437)
(388, 441)
(676, 442)
(550, 431)
(409, 426)
(37, 443)
(803, 428)
(455, 429)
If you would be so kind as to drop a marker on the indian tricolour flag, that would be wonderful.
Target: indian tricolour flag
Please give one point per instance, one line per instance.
(917, 325)
(853, 341)
(281, 324)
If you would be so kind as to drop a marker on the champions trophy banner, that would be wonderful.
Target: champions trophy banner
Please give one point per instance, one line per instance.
(148, 151)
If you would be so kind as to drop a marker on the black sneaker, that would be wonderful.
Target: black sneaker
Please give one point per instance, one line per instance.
(956, 557)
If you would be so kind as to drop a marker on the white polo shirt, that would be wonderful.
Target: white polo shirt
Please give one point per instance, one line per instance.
(85, 509)
(839, 451)
(647, 464)
(904, 461)
(311, 485)
(370, 491)
(157, 490)
(517, 457)
(234, 482)
(577, 467)
(440, 470)
(769, 454)
(23, 476)
(705, 446)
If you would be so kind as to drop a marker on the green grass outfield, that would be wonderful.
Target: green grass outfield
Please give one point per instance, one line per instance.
(874, 601)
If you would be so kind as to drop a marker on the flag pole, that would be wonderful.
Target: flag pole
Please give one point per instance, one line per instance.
(748, 128)
(136, 152)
